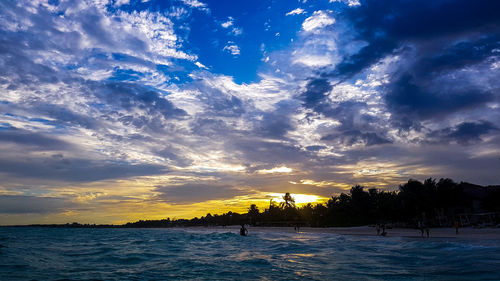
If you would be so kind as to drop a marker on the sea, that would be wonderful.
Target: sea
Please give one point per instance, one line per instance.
(41, 253)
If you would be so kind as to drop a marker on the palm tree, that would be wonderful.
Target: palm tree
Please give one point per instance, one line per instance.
(289, 202)
(253, 213)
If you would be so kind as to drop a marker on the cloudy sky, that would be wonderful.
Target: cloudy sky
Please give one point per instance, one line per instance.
(118, 110)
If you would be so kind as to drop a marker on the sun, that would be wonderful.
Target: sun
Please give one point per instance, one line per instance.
(300, 199)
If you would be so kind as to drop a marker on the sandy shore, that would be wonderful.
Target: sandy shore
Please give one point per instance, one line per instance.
(464, 233)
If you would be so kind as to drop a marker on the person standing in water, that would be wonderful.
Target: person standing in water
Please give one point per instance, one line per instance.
(384, 233)
(457, 225)
(243, 230)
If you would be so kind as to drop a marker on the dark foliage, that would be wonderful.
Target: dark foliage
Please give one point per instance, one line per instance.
(436, 203)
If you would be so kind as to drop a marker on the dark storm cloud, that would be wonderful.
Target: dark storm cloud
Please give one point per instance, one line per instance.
(277, 123)
(315, 97)
(315, 147)
(387, 25)
(174, 155)
(192, 193)
(217, 102)
(127, 96)
(18, 204)
(19, 47)
(355, 127)
(408, 99)
(432, 86)
(210, 127)
(365, 57)
(35, 140)
(472, 51)
(92, 25)
(63, 115)
(316, 92)
(434, 40)
(352, 137)
(464, 133)
(227, 106)
(18, 66)
(74, 169)
(272, 153)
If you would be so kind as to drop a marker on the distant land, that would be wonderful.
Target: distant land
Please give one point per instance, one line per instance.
(434, 203)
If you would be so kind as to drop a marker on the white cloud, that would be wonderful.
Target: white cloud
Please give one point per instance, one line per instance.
(122, 2)
(319, 19)
(228, 23)
(350, 3)
(237, 31)
(297, 11)
(196, 4)
(200, 65)
(311, 60)
(282, 169)
(157, 30)
(178, 12)
(262, 96)
(317, 50)
(87, 30)
(232, 48)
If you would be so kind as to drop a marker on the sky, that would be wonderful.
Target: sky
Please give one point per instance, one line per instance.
(118, 110)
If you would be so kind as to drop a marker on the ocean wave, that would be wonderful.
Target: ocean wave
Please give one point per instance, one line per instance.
(222, 254)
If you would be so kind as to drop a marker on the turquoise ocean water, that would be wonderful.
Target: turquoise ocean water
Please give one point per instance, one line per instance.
(208, 254)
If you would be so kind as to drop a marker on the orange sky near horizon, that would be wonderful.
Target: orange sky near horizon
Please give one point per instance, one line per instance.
(144, 198)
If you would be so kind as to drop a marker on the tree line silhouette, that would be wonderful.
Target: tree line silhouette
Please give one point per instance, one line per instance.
(437, 203)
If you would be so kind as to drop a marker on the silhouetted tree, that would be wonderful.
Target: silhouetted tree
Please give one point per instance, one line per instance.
(436, 202)
(288, 201)
(253, 214)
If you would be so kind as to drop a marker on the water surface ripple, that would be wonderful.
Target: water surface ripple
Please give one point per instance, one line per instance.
(221, 254)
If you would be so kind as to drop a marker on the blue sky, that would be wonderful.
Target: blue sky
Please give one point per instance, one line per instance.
(115, 110)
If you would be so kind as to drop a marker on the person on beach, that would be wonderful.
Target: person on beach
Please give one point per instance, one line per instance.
(383, 230)
(427, 231)
(243, 230)
(297, 228)
(457, 225)
(421, 227)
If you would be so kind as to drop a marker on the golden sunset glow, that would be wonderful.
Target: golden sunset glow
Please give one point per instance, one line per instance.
(300, 199)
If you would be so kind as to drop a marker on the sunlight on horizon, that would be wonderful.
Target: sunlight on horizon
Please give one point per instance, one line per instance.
(300, 199)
